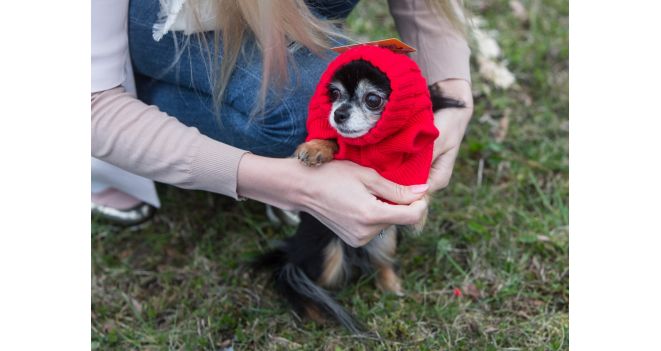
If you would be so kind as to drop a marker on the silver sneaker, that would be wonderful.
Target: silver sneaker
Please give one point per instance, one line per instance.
(126, 218)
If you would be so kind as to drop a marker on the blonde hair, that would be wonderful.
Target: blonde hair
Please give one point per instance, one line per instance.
(275, 25)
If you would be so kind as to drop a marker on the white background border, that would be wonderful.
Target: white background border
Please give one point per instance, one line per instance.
(45, 267)
(615, 177)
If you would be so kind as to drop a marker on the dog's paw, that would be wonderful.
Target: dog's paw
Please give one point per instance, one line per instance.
(388, 281)
(314, 314)
(316, 152)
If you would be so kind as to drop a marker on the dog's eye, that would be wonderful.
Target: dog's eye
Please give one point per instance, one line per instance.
(334, 94)
(373, 101)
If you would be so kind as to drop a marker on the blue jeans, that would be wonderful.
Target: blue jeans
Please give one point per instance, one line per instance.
(180, 86)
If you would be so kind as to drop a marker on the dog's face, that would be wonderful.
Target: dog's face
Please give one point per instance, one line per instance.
(359, 93)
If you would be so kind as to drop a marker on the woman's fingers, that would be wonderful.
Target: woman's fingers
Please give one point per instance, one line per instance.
(400, 214)
(391, 191)
(356, 236)
(441, 170)
(343, 196)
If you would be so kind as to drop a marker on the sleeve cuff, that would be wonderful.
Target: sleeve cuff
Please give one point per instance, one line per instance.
(215, 167)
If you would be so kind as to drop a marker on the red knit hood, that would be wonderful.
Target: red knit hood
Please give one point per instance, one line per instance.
(399, 146)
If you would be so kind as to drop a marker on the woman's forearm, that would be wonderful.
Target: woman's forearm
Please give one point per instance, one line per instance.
(143, 140)
(275, 181)
(341, 194)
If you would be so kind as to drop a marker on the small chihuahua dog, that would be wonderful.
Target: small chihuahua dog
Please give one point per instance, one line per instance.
(314, 260)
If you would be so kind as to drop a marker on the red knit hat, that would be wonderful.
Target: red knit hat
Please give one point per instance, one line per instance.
(400, 145)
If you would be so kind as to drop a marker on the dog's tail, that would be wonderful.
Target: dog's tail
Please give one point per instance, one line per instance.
(302, 293)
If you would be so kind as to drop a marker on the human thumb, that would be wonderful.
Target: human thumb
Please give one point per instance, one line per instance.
(396, 193)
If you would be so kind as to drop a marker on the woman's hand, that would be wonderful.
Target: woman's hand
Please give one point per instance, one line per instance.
(451, 123)
(341, 194)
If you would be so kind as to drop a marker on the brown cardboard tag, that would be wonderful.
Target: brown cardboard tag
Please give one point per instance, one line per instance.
(393, 44)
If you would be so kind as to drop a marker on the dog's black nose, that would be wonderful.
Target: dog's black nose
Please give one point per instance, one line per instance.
(341, 115)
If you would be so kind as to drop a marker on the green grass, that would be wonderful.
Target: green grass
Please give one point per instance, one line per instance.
(181, 282)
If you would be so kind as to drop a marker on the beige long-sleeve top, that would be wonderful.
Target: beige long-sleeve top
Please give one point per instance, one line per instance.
(143, 140)
(442, 53)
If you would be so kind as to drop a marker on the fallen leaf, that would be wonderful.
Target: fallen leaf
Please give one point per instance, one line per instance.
(278, 340)
(495, 72)
(125, 253)
(503, 126)
(518, 10)
(488, 52)
(489, 330)
(537, 303)
(109, 326)
(225, 344)
(486, 118)
(135, 304)
(472, 291)
(543, 238)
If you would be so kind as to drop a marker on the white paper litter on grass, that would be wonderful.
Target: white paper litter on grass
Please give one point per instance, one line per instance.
(488, 54)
